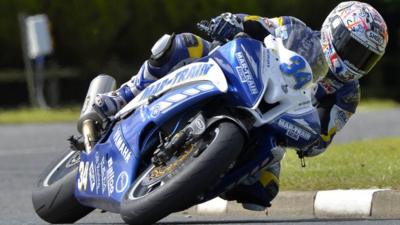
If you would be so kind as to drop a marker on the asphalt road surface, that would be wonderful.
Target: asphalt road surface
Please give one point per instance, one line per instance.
(25, 151)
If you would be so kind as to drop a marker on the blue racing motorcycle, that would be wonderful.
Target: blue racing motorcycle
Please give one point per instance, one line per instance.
(185, 139)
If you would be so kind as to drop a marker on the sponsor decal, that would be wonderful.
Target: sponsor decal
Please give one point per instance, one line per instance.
(92, 177)
(199, 124)
(327, 86)
(103, 176)
(122, 182)
(265, 61)
(110, 177)
(245, 74)
(155, 111)
(378, 39)
(330, 85)
(305, 103)
(121, 145)
(340, 117)
(83, 175)
(192, 72)
(268, 58)
(253, 64)
(98, 173)
(294, 131)
(306, 125)
(364, 13)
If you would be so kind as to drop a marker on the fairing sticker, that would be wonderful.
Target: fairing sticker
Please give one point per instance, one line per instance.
(194, 72)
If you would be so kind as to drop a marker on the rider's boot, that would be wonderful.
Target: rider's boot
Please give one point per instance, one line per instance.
(111, 102)
(268, 185)
(257, 192)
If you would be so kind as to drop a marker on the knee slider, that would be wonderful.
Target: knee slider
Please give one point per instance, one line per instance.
(162, 50)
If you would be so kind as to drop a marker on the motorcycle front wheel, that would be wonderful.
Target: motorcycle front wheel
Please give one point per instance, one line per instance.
(53, 198)
(161, 190)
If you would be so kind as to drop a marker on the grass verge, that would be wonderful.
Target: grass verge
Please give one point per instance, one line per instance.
(71, 114)
(373, 104)
(361, 164)
(33, 115)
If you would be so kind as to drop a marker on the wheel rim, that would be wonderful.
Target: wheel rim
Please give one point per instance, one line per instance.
(64, 167)
(155, 177)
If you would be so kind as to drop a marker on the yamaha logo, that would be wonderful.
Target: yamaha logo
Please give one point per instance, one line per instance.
(122, 182)
(155, 111)
(200, 124)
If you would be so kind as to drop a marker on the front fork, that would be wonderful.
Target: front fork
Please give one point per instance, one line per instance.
(90, 133)
(191, 133)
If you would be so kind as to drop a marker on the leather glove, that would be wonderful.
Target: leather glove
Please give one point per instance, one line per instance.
(223, 28)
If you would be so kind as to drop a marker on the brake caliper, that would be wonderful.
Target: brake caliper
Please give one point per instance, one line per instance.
(191, 132)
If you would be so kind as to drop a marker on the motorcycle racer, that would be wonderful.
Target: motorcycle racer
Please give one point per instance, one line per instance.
(352, 40)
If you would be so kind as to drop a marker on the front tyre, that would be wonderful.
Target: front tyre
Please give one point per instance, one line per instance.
(178, 185)
(53, 198)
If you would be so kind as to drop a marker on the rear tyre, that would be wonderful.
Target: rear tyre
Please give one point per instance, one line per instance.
(161, 191)
(53, 198)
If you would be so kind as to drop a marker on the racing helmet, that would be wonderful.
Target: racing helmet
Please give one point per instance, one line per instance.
(353, 38)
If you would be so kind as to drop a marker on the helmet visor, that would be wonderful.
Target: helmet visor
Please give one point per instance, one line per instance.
(351, 50)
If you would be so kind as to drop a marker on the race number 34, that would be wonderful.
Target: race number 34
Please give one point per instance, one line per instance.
(293, 69)
(83, 175)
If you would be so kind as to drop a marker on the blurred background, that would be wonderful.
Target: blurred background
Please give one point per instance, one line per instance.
(114, 37)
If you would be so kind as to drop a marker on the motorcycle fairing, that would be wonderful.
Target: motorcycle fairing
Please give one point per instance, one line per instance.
(242, 62)
(206, 70)
(101, 170)
(297, 130)
(109, 169)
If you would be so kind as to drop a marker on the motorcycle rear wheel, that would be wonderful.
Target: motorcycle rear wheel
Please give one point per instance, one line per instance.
(161, 191)
(53, 198)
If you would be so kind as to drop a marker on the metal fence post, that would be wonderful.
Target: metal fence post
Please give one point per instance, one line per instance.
(27, 61)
